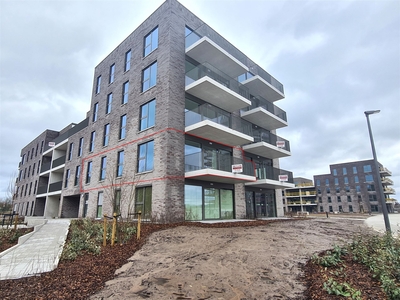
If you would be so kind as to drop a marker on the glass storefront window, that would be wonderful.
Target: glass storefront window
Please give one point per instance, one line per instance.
(193, 202)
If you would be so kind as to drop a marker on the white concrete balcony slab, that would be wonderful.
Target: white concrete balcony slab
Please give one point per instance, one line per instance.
(259, 86)
(217, 94)
(266, 150)
(270, 184)
(210, 130)
(206, 50)
(263, 118)
(213, 175)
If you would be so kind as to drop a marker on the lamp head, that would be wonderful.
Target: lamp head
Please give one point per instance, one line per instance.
(371, 112)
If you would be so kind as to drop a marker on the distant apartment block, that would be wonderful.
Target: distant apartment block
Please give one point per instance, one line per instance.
(301, 198)
(352, 187)
(181, 125)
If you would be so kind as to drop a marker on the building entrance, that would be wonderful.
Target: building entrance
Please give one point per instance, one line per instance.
(260, 204)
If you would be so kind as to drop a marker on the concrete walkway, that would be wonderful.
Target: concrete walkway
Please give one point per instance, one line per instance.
(378, 224)
(39, 253)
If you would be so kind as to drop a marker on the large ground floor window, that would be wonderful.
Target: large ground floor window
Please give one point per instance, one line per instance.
(204, 203)
(143, 201)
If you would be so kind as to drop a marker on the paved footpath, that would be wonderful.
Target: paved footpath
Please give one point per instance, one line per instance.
(38, 254)
(377, 223)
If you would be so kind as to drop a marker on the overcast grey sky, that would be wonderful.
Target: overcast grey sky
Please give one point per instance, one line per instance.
(336, 59)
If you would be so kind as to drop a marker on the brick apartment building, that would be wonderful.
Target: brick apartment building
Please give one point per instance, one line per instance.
(352, 187)
(181, 125)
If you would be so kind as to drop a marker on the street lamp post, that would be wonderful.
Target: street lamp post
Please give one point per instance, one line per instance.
(380, 188)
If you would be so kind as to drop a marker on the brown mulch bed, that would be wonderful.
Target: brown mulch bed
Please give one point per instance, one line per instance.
(349, 271)
(87, 274)
(11, 239)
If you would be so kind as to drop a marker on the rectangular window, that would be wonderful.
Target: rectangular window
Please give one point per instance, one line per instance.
(326, 181)
(347, 189)
(367, 168)
(151, 42)
(109, 103)
(319, 199)
(147, 115)
(106, 135)
(80, 149)
(30, 189)
(321, 209)
(340, 208)
(146, 157)
(22, 190)
(125, 92)
(319, 191)
(92, 138)
(346, 180)
(372, 197)
(374, 208)
(356, 179)
(330, 209)
(34, 189)
(85, 204)
(120, 163)
(38, 167)
(128, 60)
(71, 150)
(33, 150)
(344, 171)
(112, 72)
(98, 83)
(318, 182)
(27, 157)
(328, 190)
(89, 172)
(29, 171)
(41, 147)
(348, 198)
(354, 170)
(371, 187)
(77, 175)
(329, 200)
(350, 208)
(369, 178)
(122, 127)
(117, 202)
(37, 148)
(99, 213)
(67, 173)
(143, 201)
(103, 166)
(336, 181)
(334, 172)
(337, 190)
(339, 199)
(95, 111)
(149, 77)
(358, 189)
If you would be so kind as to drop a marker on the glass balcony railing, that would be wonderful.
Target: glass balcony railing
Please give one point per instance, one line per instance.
(270, 138)
(216, 161)
(297, 194)
(207, 69)
(205, 30)
(42, 190)
(219, 116)
(45, 167)
(59, 161)
(268, 106)
(257, 70)
(269, 172)
(56, 186)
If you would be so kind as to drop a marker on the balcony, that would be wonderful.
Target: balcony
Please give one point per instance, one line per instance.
(264, 114)
(205, 45)
(217, 167)
(213, 86)
(45, 167)
(59, 161)
(268, 145)
(390, 200)
(298, 194)
(387, 181)
(298, 203)
(389, 190)
(55, 186)
(42, 190)
(269, 177)
(258, 85)
(384, 171)
(211, 123)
